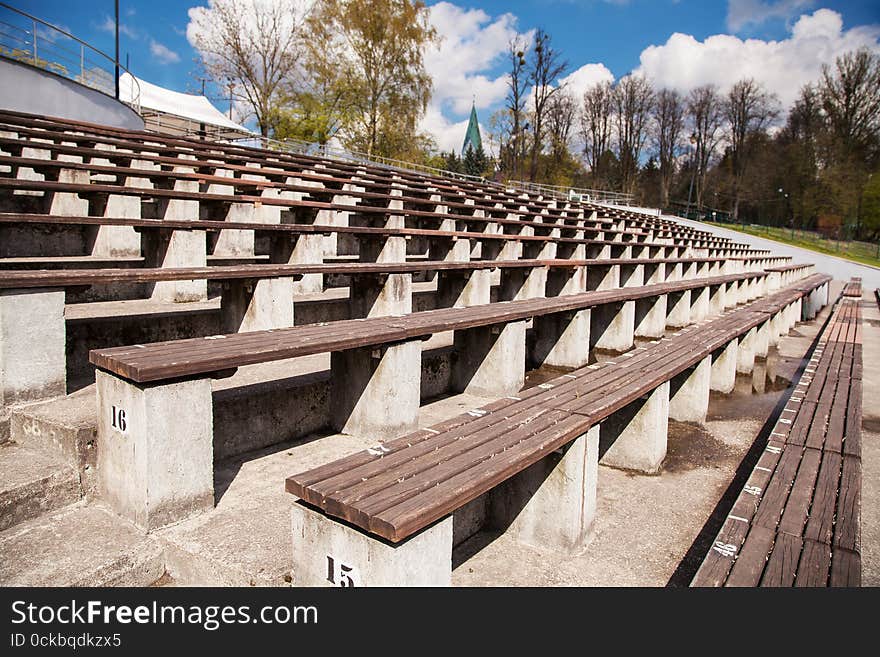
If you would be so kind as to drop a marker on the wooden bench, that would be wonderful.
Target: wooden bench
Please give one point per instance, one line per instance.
(375, 371)
(387, 515)
(796, 521)
(276, 159)
(853, 288)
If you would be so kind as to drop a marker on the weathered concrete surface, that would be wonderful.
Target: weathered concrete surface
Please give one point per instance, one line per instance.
(79, 546)
(870, 441)
(33, 482)
(155, 462)
(330, 553)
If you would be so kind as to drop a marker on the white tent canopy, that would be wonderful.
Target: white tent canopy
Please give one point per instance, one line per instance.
(184, 112)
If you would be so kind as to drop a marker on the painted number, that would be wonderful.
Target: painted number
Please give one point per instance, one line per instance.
(339, 574)
(117, 419)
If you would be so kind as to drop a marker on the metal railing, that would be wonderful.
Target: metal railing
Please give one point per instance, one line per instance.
(334, 152)
(31, 40)
(574, 193)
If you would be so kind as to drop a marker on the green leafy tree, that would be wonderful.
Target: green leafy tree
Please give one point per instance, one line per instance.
(371, 51)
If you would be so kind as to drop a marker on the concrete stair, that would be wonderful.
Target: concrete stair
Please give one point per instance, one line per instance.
(34, 482)
(79, 545)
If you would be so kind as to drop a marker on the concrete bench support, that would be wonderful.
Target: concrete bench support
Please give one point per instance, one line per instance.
(327, 552)
(464, 288)
(700, 306)
(678, 309)
(745, 357)
(562, 339)
(257, 305)
(634, 438)
(32, 345)
(717, 299)
(307, 249)
(650, 316)
(119, 241)
(490, 360)
(551, 505)
(723, 377)
(612, 326)
(375, 391)
(523, 283)
(380, 295)
(155, 449)
(689, 393)
(177, 248)
(762, 340)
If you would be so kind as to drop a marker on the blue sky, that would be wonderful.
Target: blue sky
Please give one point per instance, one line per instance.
(781, 42)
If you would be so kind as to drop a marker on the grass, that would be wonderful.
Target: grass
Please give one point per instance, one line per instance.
(865, 253)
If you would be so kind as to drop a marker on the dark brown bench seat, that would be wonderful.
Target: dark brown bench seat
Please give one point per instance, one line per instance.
(796, 521)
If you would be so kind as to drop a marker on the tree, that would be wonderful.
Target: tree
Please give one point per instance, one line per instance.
(374, 49)
(633, 99)
(474, 162)
(561, 111)
(545, 68)
(595, 117)
(705, 117)
(668, 127)
(250, 46)
(515, 102)
(850, 96)
(748, 109)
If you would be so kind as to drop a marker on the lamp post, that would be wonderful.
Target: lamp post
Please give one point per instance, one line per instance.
(116, 61)
(693, 141)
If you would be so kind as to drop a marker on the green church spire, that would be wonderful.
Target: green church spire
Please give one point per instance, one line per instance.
(472, 136)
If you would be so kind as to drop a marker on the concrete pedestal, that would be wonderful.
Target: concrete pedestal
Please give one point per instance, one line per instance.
(745, 355)
(155, 449)
(327, 552)
(380, 295)
(490, 360)
(257, 305)
(562, 339)
(551, 505)
(33, 363)
(723, 378)
(689, 393)
(464, 288)
(522, 283)
(178, 248)
(717, 299)
(678, 309)
(375, 391)
(119, 241)
(700, 306)
(634, 437)
(650, 316)
(612, 326)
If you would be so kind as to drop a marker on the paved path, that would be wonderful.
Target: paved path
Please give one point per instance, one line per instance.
(837, 267)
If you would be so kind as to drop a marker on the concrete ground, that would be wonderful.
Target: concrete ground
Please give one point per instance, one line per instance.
(870, 441)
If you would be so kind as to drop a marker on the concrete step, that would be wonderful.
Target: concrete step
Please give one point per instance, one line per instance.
(66, 427)
(34, 481)
(79, 545)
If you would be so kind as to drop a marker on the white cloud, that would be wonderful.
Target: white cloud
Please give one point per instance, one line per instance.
(741, 13)
(109, 25)
(163, 53)
(472, 44)
(784, 66)
(578, 81)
